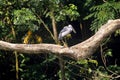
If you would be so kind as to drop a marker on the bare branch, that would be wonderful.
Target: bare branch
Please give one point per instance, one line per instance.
(78, 51)
(35, 48)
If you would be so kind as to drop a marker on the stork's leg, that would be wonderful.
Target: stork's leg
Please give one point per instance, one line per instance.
(64, 44)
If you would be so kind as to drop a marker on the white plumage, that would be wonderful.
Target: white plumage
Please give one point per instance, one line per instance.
(65, 31)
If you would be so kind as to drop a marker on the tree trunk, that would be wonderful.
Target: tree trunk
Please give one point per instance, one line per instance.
(54, 27)
(61, 61)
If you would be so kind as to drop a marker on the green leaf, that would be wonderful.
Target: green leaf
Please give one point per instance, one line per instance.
(89, 70)
(89, 16)
(101, 14)
(83, 61)
(25, 18)
(108, 52)
(93, 62)
(117, 32)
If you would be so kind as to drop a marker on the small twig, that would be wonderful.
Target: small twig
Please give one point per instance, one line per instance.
(46, 27)
(104, 61)
(117, 77)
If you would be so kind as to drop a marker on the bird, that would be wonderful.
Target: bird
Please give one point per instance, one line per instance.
(65, 31)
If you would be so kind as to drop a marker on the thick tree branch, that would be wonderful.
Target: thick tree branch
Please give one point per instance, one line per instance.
(78, 51)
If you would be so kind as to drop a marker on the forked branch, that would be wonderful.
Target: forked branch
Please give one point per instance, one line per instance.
(78, 51)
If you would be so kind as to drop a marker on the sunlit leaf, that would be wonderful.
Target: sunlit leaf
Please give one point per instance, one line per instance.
(108, 52)
(93, 62)
(83, 61)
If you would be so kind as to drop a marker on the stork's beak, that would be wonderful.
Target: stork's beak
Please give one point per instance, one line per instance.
(73, 30)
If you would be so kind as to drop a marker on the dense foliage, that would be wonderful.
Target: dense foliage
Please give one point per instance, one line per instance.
(32, 21)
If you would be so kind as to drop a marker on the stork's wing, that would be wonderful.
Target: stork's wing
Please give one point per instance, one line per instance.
(64, 29)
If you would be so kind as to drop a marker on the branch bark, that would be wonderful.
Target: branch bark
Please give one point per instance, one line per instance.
(78, 51)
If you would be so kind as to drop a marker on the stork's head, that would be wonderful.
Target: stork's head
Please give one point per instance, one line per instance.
(71, 27)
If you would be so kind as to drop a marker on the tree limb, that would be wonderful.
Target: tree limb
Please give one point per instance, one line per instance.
(78, 51)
